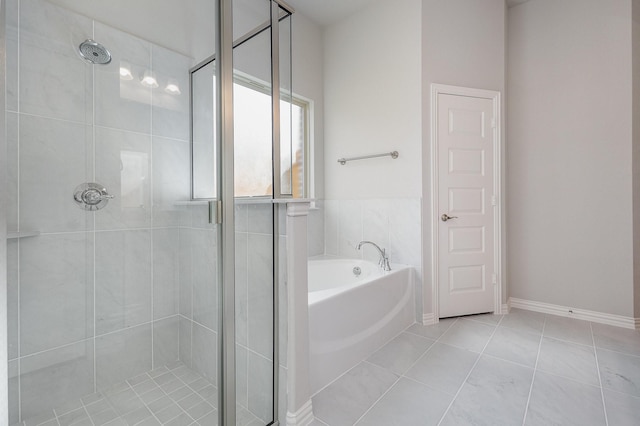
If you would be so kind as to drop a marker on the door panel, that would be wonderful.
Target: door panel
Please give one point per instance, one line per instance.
(469, 239)
(466, 278)
(466, 162)
(466, 190)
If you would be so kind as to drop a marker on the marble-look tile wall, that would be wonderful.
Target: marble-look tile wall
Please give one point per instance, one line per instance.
(315, 229)
(254, 307)
(283, 315)
(197, 298)
(95, 298)
(393, 224)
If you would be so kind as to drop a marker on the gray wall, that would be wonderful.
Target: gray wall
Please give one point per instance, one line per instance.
(636, 153)
(570, 223)
(372, 102)
(307, 81)
(463, 44)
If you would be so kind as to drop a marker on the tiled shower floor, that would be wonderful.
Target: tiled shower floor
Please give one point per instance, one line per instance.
(173, 395)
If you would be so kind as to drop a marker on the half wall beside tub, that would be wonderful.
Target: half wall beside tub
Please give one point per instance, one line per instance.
(299, 408)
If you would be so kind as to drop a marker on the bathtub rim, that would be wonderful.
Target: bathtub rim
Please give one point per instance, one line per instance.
(317, 297)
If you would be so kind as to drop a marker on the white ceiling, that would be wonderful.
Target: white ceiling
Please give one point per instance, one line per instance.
(327, 12)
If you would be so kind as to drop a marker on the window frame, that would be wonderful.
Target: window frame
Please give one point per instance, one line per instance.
(305, 104)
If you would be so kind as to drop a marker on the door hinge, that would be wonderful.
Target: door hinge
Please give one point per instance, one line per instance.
(215, 212)
(494, 200)
(494, 278)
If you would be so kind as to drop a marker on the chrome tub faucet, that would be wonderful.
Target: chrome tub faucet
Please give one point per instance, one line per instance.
(384, 259)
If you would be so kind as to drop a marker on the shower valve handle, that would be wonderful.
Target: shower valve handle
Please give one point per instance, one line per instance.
(91, 196)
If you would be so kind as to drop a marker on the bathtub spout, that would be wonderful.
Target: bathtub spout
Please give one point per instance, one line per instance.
(384, 259)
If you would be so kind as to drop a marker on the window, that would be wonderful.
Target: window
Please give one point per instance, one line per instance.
(252, 138)
(252, 135)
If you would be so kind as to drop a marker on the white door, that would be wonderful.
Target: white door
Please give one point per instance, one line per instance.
(466, 200)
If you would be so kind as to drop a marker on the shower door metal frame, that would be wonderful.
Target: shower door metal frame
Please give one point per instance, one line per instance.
(4, 358)
(275, 185)
(225, 191)
(226, 239)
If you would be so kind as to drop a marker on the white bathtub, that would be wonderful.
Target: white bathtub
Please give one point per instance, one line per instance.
(350, 317)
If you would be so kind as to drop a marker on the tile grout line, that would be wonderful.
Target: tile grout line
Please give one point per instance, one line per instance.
(571, 342)
(151, 211)
(165, 394)
(93, 129)
(85, 340)
(402, 375)
(191, 291)
(104, 231)
(380, 397)
(191, 311)
(377, 349)
(595, 352)
(535, 369)
(247, 298)
(248, 334)
(18, 118)
(99, 126)
(146, 405)
(471, 370)
(84, 407)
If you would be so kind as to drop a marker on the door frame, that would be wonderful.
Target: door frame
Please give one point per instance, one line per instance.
(498, 188)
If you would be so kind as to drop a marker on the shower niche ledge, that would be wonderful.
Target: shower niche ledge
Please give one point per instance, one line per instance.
(22, 234)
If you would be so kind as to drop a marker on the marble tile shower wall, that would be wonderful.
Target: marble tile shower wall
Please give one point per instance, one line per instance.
(94, 299)
(254, 310)
(394, 224)
(315, 229)
(197, 296)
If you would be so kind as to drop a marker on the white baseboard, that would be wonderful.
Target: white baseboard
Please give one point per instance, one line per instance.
(429, 319)
(302, 417)
(565, 311)
(505, 308)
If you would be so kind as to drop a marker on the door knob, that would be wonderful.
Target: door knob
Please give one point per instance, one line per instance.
(445, 217)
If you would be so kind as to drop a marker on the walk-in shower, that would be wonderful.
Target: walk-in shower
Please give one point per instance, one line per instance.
(129, 299)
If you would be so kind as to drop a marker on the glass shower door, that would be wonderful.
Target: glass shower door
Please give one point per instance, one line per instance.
(253, 213)
(51, 240)
(113, 270)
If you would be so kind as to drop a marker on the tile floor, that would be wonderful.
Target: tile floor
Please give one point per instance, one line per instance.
(172, 395)
(524, 368)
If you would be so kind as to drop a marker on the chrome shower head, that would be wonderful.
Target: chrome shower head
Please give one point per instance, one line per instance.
(94, 52)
